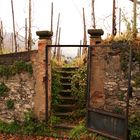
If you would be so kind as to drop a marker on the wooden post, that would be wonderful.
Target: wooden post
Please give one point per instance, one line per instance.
(135, 19)
(114, 30)
(52, 18)
(93, 14)
(56, 34)
(59, 48)
(1, 37)
(120, 15)
(26, 40)
(85, 35)
(30, 26)
(14, 26)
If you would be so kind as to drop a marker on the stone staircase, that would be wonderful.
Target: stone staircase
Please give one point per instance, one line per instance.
(65, 109)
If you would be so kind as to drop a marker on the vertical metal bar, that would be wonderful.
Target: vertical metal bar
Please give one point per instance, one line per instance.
(129, 90)
(88, 82)
(46, 84)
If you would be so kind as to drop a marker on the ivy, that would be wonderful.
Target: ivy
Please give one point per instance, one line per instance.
(17, 67)
(79, 90)
(134, 127)
(3, 89)
(10, 104)
(56, 87)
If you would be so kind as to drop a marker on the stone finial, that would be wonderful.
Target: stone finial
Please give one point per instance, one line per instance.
(44, 34)
(95, 32)
(95, 35)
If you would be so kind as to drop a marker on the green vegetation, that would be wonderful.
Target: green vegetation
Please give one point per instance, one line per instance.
(10, 104)
(79, 90)
(3, 89)
(134, 126)
(56, 87)
(17, 67)
(137, 80)
(78, 132)
(30, 126)
(118, 110)
(120, 96)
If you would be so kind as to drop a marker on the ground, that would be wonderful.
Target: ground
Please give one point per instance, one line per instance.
(18, 137)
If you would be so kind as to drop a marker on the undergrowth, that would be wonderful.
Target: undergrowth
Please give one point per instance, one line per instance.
(17, 67)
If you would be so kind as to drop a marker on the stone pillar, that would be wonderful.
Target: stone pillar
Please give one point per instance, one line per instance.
(40, 99)
(97, 94)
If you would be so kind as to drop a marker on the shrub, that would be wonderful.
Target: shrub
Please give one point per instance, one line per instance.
(3, 89)
(134, 127)
(78, 131)
(10, 104)
(17, 67)
(56, 87)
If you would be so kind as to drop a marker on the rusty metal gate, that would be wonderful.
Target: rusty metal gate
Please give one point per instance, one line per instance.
(104, 123)
(108, 124)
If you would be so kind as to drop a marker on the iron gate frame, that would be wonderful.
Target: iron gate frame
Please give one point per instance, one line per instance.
(103, 113)
(93, 110)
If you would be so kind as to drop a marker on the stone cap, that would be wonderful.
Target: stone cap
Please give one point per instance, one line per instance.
(44, 34)
(95, 33)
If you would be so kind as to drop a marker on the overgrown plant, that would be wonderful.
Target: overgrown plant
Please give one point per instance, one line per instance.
(56, 87)
(3, 89)
(78, 132)
(134, 127)
(17, 67)
(79, 80)
(10, 104)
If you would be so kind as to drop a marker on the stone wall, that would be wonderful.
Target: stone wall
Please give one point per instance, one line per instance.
(26, 91)
(21, 92)
(109, 83)
(21, 87)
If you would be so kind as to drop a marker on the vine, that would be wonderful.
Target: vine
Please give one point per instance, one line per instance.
(3, 89)
(17, 67)
(79, 90)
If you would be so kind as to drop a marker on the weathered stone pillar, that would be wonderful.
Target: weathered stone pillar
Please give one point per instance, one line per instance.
(97, 94)
(40, 99)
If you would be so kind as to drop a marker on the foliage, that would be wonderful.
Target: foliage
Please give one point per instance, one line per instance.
(79, 89)
(78, 131)
(118, 110)
(21, 66)
(79, 85)
(120, 96)
(137, 80)
(53, 120)
(29, 127)
(10, 104)
(3, 89)
(56, 87)
(17, 67)
(10, 128)
(134, 126)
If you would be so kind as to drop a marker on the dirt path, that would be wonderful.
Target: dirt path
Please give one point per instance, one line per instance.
(18, 137)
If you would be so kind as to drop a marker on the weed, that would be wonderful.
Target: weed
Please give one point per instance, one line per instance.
(10, 104)
(134, 126)
(3, 89)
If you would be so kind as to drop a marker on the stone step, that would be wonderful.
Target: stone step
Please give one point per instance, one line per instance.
(66, 98)
(67, 106)
(64, 126)
(63, 114)
(68, 68)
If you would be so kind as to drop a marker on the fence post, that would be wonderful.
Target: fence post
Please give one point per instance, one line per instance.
(96, 95)
(41, 99)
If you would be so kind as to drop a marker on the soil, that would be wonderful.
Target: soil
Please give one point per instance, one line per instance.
(19, 137)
